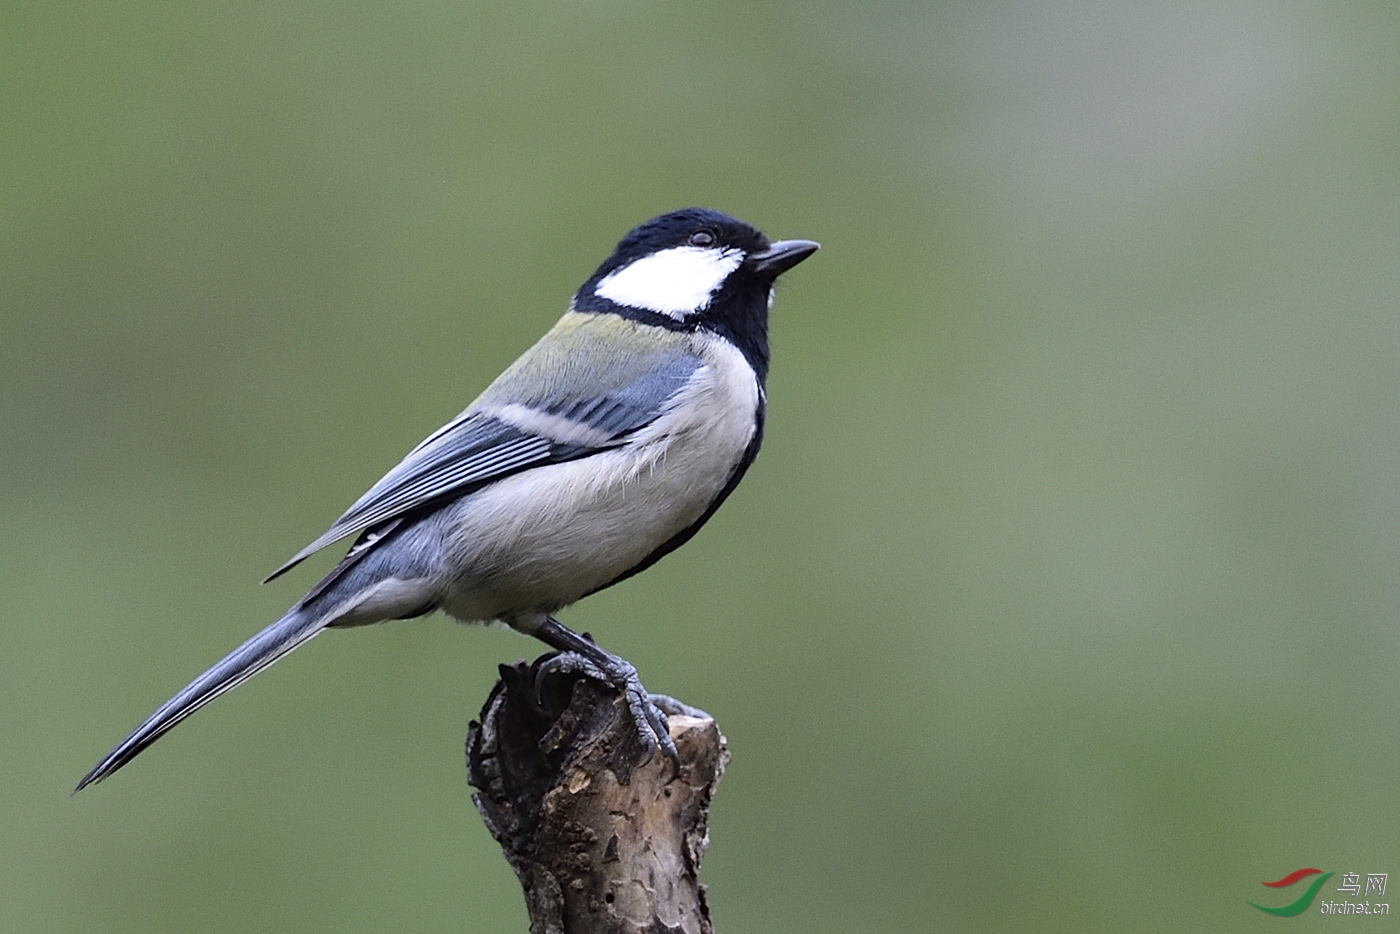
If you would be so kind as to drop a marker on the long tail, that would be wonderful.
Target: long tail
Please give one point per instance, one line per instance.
(297, 627)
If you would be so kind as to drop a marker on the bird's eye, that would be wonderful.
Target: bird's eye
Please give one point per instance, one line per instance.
(702, 238)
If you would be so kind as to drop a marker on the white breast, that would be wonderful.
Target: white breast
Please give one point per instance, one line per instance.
(543, 538)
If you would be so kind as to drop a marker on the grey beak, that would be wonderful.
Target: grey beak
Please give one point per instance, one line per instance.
(783, 255)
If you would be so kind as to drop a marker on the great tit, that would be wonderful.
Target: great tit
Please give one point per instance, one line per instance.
(603, 448)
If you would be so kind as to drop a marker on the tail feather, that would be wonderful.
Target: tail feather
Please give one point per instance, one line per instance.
(297, 627)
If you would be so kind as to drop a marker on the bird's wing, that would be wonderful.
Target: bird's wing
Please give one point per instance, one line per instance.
(505, 432)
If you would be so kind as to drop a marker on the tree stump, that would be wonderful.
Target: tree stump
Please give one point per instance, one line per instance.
(599, 842)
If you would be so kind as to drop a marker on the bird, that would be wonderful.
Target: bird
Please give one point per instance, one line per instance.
(603, 448)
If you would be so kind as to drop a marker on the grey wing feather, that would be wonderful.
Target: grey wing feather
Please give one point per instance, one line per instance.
(468, 451)
(476, 448)
(634, 404)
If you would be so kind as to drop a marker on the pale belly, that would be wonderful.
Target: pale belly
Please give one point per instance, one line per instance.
(543, 538)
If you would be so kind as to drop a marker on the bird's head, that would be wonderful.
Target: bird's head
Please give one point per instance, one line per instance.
(682, 264)
(695, 268)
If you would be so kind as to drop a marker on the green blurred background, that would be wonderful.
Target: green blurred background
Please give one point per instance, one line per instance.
(1063, 597)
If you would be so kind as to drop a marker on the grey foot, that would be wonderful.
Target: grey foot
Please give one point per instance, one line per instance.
(648, 716)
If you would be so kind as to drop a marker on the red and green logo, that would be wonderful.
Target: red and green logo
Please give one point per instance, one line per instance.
(1304, 900)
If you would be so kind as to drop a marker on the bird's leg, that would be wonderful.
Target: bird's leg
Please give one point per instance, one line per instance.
(617, 671)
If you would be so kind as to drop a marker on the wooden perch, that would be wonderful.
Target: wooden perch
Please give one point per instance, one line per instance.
(599, 843)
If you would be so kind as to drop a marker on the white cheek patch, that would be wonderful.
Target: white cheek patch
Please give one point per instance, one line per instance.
(676, 282)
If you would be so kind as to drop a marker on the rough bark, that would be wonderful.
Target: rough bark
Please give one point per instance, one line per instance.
(599, 842)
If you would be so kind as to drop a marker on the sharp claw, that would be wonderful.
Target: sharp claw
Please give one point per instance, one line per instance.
(566, 663)
(649, 719)
(580, 653)
(652, 726)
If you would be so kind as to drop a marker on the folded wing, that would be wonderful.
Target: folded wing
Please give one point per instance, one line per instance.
(497, 437)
